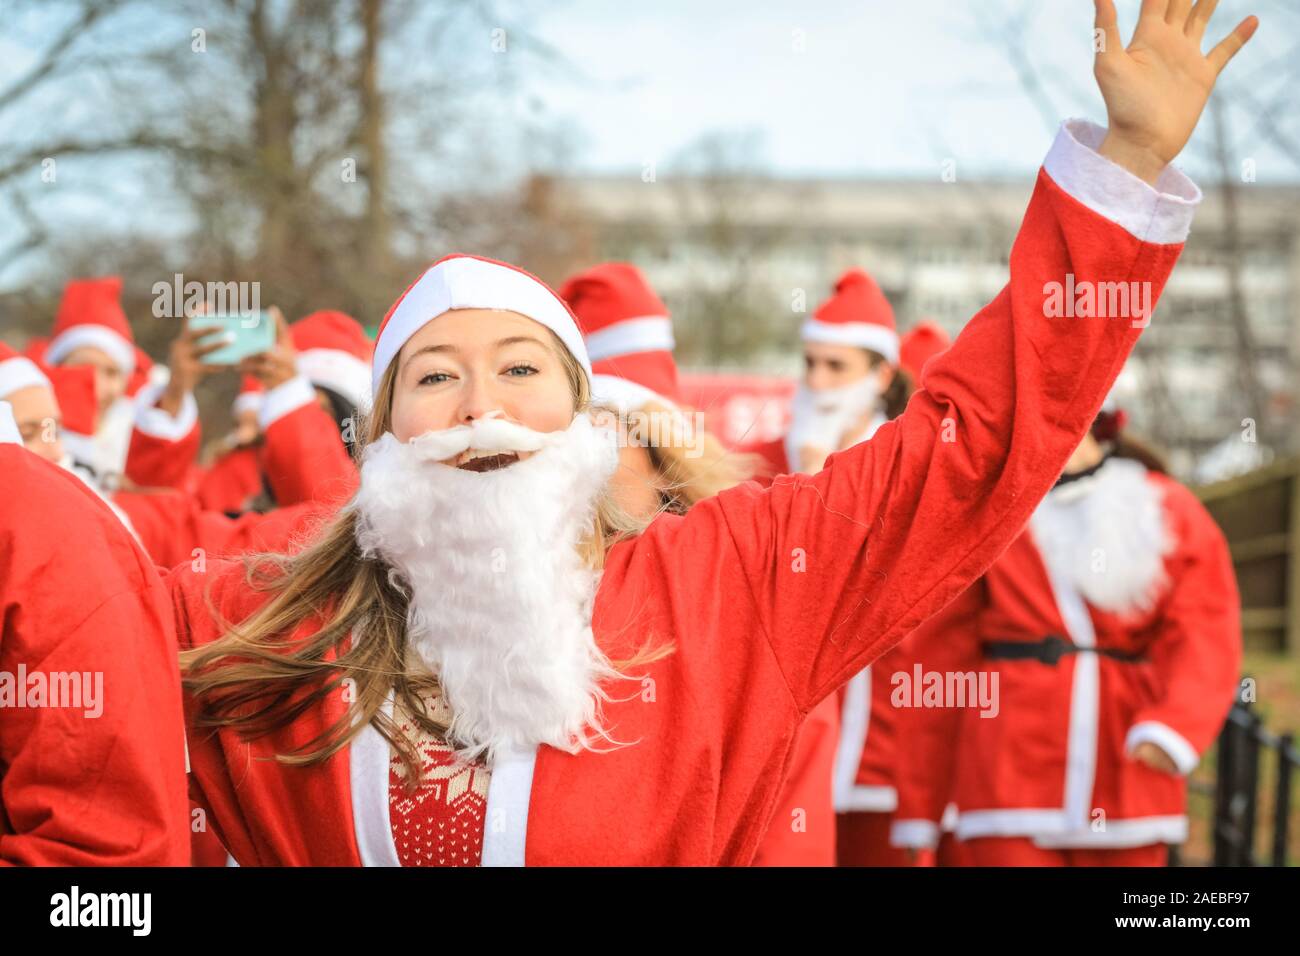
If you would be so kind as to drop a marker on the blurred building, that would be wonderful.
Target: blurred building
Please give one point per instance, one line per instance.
(738, 259)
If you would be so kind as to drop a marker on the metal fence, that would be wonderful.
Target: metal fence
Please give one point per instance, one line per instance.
(1245, 748)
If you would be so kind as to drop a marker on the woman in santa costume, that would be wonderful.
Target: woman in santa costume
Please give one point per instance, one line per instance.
(628, 334)
(91, 330)
(576, 687)
(1110, 633)
(92, 755)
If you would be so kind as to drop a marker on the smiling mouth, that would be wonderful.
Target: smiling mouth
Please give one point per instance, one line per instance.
(484, 461)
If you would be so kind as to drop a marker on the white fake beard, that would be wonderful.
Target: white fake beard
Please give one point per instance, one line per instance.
(500, 600)
(1106, 535)
(820, 419)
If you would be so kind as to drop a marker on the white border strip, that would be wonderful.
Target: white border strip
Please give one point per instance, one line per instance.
(1162, 214)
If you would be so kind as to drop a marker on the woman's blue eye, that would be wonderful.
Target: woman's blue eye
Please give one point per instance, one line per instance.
(521, 368)
(434, 378)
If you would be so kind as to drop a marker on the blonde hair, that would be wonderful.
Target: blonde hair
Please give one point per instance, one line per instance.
(257, 678)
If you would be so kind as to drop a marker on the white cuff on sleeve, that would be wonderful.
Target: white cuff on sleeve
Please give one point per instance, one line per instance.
(156, 423)
(1173, 743)
(917, 834)
(283, 399)
(1162, 214)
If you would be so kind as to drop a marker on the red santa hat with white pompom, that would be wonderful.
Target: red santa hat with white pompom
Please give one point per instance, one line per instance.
(90, 315)
(473, 282)
(628, 334)
(334, 352)
(857, 313)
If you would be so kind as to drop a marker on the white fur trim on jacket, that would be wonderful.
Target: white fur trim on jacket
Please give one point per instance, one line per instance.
(285, 398)
(864, 335)
(1162, 214)
(156, 423)
(1180, 751)
(101, 337)
(505, 826)
(920, 834)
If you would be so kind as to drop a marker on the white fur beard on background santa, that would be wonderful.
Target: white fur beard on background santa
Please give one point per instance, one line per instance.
(500, 600)
(820, 419)
(1106, 535)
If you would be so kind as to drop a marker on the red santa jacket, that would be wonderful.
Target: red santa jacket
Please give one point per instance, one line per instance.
(173, 529)
(772, 598)
(231, 481)
(96, 782)
(301, 454)
(802, 831)
(1125, 561)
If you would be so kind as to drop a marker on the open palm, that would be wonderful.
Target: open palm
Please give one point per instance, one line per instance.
(1156, 89)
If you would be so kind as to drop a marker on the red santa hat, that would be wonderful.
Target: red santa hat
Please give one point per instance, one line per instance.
(473, 282)
(921, 343)
(857, 313)
(334, 352)
(249, 398)
(628, 334)
(73, 388)
(90, 314)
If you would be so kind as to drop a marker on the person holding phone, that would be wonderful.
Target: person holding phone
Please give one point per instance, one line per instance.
(600, 690)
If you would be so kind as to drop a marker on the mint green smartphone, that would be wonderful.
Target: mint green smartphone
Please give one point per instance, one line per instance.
(249, 334)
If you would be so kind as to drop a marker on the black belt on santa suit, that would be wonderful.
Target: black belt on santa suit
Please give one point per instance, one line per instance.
(1050, 650)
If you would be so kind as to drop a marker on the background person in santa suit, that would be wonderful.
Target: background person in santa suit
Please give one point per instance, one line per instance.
(91, 330)
(668, 464)
(170, 525)
(1113, 627)
(480, 620)
(851, 386)
(851, 383)
(863, 776)
(100, 782)
(628, 334)
(313, 382)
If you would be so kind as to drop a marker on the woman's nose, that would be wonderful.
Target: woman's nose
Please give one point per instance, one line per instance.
(477, 400)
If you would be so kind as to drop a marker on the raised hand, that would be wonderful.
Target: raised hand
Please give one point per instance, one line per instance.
(1156, 89)
(185, 362)
(280, 363)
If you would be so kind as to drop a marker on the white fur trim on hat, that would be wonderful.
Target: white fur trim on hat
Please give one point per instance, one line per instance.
(622, 395)
(467, 283)
(101, 337)
(864, 335)
(338, 371)
(648, 333)
(19, 372)
(9, 434)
